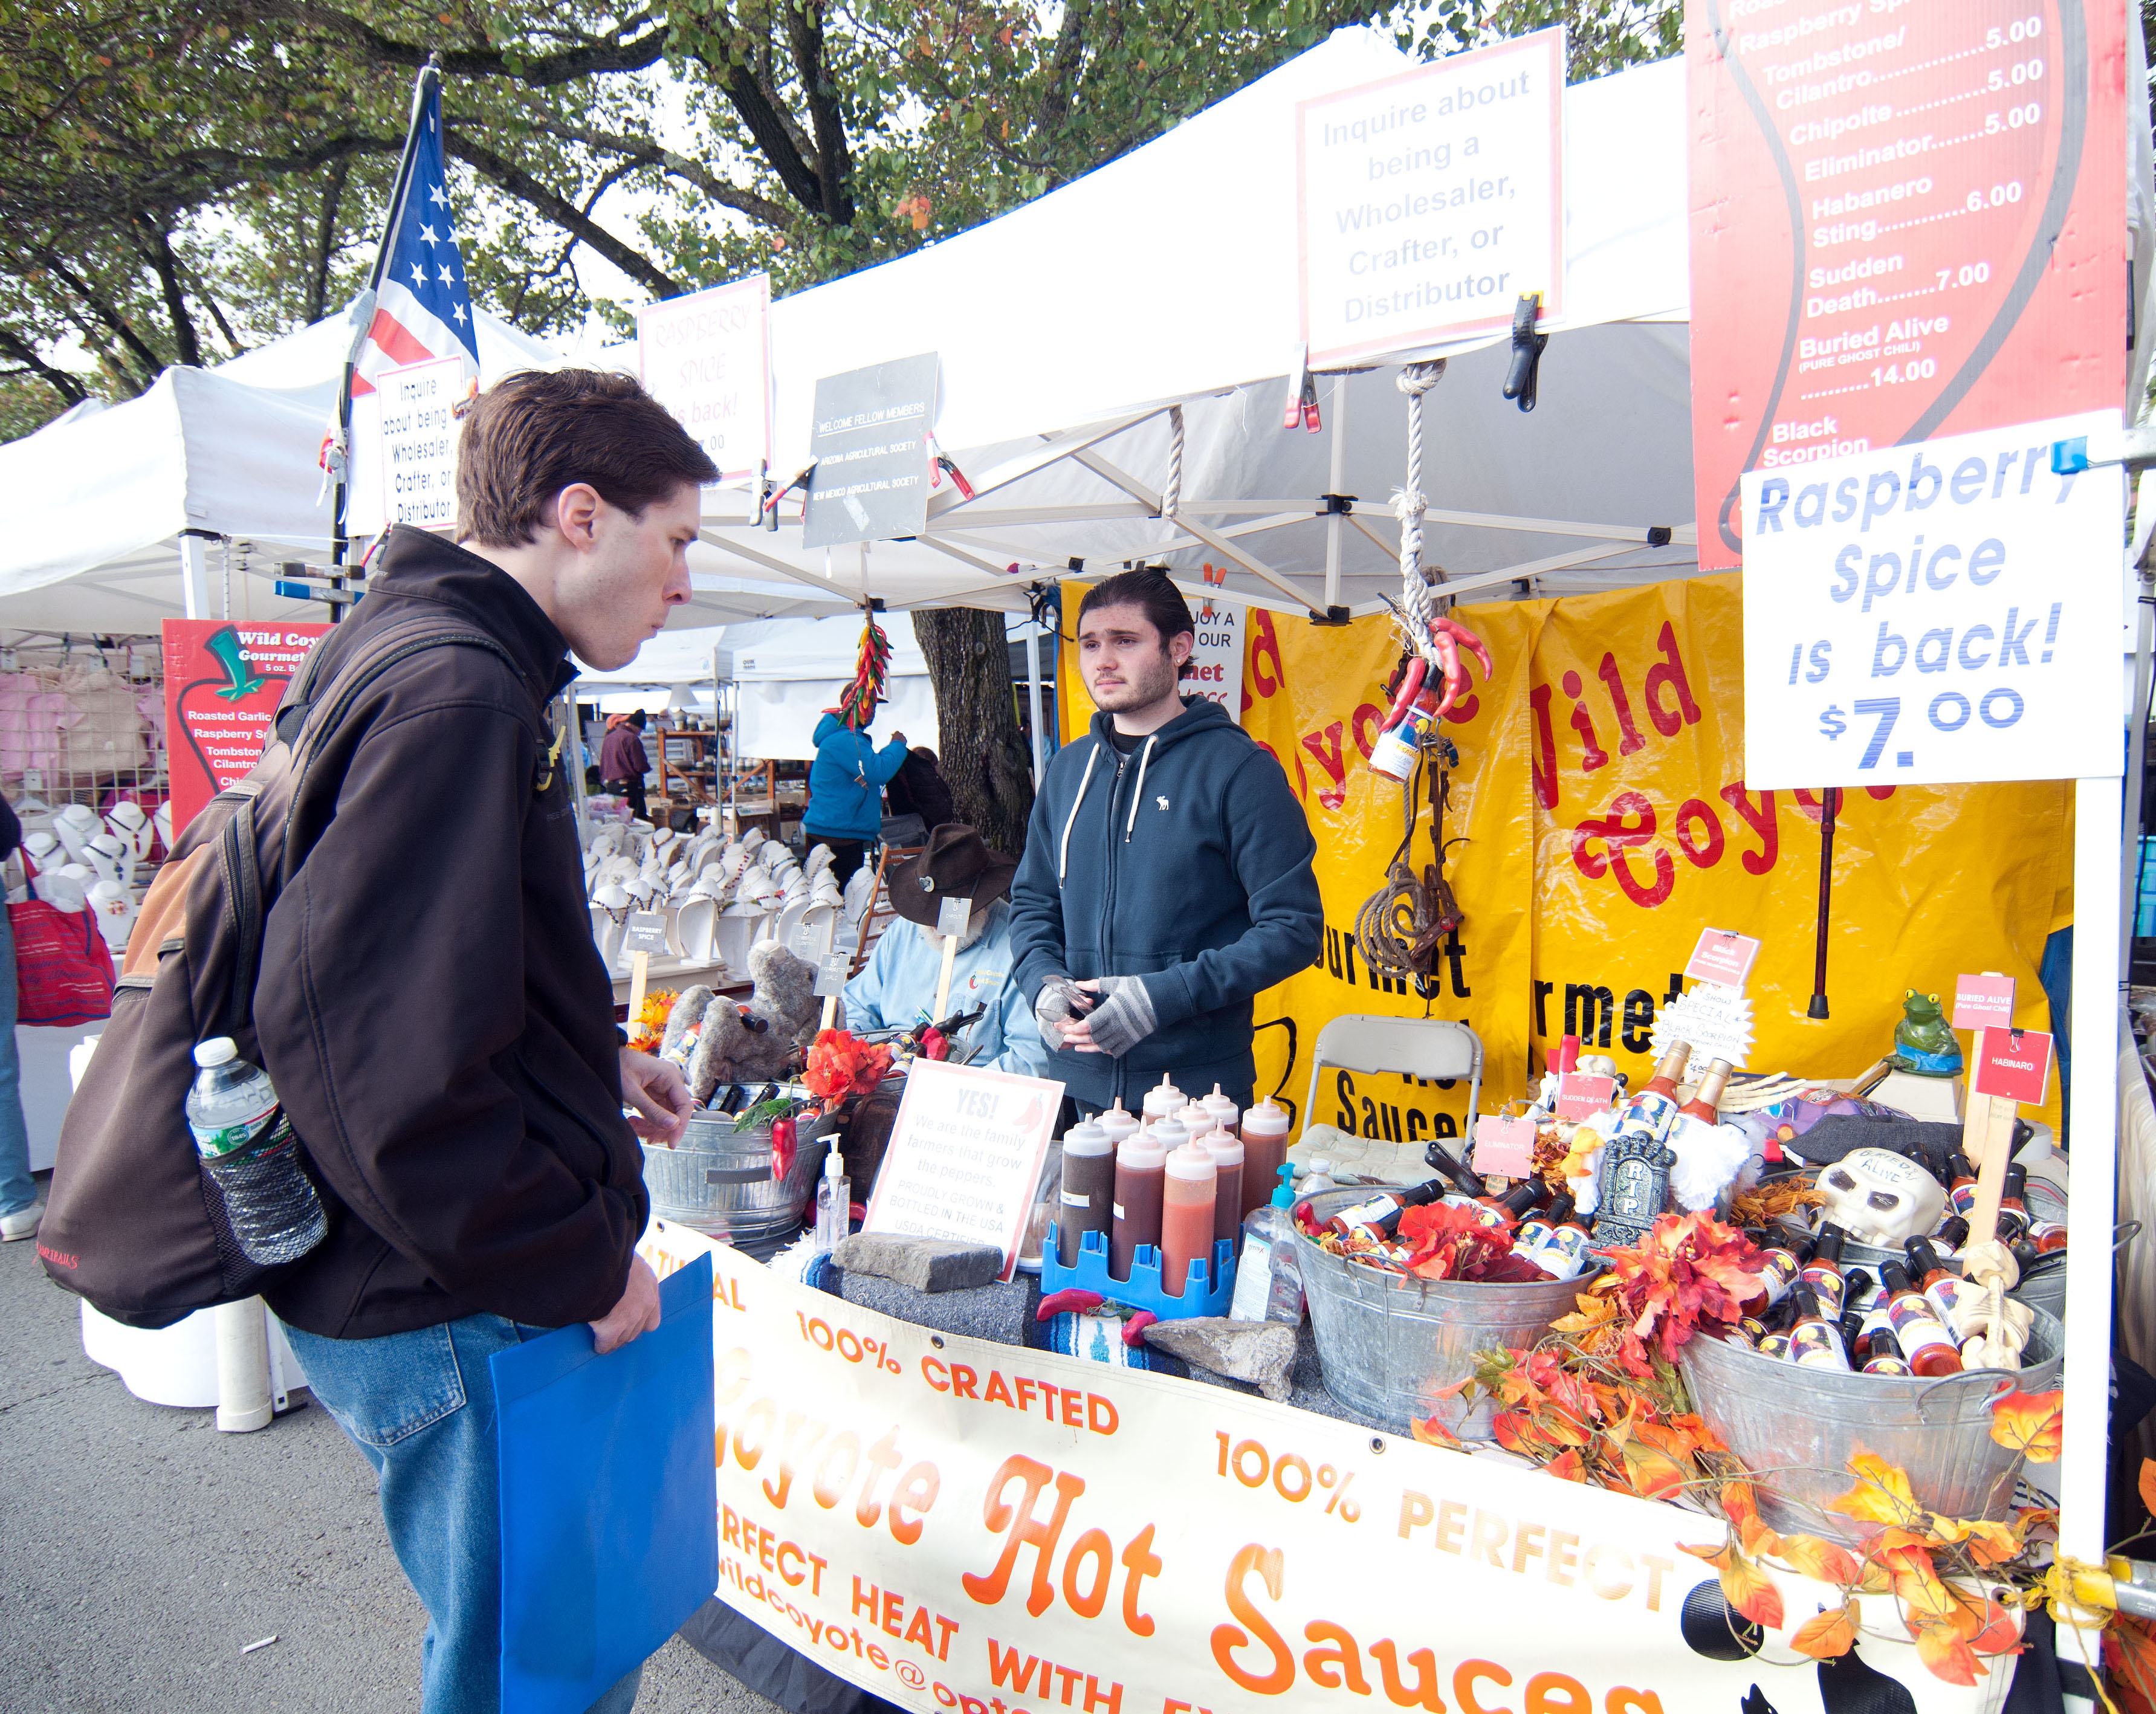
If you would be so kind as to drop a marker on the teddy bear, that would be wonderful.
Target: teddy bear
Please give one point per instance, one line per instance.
(715, 1041)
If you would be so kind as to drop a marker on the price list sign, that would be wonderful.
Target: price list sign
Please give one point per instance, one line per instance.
(1908, 220)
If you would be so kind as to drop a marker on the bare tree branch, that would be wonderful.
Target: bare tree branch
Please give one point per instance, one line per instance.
(804, 31)
(71, 391)
(542, 71)
(318, 282)
(156, 246)
(646, 152)
(563, 214)
(151, 364)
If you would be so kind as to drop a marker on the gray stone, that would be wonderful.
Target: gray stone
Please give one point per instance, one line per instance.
(1259, 1352)
(995, 1312)
(925, 1264)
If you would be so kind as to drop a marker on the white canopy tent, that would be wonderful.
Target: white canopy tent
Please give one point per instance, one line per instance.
(788, 671)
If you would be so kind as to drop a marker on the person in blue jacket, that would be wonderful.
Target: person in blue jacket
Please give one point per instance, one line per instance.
(897, 989)
(845, 788)
(1166, 877)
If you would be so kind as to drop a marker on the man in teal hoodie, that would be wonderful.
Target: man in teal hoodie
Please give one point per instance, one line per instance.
(845, 788)
(1167, 877)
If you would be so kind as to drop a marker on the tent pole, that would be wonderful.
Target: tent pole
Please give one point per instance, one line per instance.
(2084, 1461)
(194, 575)
(1032, 695)
(2136, 738)
(1336, 523)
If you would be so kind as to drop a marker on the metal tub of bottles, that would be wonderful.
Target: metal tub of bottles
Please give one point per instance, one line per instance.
(1796, 1427)
(1388, 1343)
(718, 1180)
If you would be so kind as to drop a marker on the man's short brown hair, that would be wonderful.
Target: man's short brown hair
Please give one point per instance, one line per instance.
(532, 435)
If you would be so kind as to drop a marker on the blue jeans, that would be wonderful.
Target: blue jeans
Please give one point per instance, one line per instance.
(420, 1405)
(17, 1189)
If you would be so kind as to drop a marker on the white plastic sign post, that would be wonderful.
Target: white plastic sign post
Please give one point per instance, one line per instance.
(1430, 202)
(964, 1156)
(831, 973)
(706, 357)
(1931, 613)
(952, 918)
(645, 932)
(417, 452)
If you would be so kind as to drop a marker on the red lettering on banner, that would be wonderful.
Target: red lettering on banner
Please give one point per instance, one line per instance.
(1463, 710)
(1615, 681)
(1325, 746)
(1669, 676)
(1265, 650)
(1761, 820)
(1544, 766)
(1611, 829)
(1709, 852)
(1024, 1529)
(1592, 756)
(1368, 717)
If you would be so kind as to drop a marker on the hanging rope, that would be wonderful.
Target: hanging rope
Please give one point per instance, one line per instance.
(1171, 493)
(1409, 505)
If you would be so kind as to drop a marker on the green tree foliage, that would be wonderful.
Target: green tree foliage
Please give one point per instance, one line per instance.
(178, 183)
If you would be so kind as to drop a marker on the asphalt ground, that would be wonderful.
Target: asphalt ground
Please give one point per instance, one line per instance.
(141, 1550)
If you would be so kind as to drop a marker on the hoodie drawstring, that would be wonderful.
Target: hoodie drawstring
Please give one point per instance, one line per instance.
(1137, 796)
(1063, 855)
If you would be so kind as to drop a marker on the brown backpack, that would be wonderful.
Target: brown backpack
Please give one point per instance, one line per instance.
(132, 1222)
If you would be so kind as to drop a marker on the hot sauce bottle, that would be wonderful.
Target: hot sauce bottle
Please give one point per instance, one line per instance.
(1814, 1341)
(1704, 1105)
(1943, 1288)
(1265, 1146)
(1379, 1213)
(2013, 1211)
(1654, 1110)
(1188, 1180)
(1086, 1200)
(1884, 1355)
(1226, 1149)
(1961, 1184)
(1779, 1267)
(1163, 1101)
(1822, 1274)
(1927, 1347)
(1140, 1165)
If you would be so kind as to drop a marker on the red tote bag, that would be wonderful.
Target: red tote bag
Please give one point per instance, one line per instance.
(63, 968)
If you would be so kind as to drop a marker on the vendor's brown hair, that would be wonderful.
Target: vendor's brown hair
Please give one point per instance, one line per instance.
(1148, 590)
(533, 435)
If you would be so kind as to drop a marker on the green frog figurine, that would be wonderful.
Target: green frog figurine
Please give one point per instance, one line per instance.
(1923, 1042)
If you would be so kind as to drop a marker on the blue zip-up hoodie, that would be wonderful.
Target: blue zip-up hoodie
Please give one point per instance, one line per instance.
(846, 782)
(1187, 863)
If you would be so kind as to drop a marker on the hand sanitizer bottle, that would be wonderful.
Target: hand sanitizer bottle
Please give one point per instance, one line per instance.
(834, 1201)
(1269, 1274)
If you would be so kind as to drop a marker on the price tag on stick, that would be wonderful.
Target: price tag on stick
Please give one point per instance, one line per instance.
(831, 973)
(1984, 1002)
(2008, 1067)
(952, 918)
(1504, 1148)
(1723, 955)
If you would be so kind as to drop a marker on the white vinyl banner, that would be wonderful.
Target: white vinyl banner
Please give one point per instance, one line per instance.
(706, 358)
(961, 1528)
(1431, 201)
(1944, 612)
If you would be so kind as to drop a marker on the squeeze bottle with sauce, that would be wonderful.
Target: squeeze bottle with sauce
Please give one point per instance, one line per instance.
(1226, 1149)
(1140, 1163)
(1265, 1146)
(1117, 1122)
(1226, 1115)
(1193, 1117)
(1185, 1222)
(1160, 1102)
(1087, 1200)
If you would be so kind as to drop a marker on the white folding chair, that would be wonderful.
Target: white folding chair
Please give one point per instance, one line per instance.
(1413, 1047)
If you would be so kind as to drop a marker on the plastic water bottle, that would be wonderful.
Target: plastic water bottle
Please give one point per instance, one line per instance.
(246, 1146)
(1269, 1274)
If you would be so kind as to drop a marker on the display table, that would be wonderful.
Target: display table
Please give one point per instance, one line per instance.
(954, 1522)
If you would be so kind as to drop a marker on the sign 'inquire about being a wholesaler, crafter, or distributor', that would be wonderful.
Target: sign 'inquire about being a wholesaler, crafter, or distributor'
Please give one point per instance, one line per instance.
(1430, 202)
(706, 358)
(421, 408)
(1942, 613)
(1906, 221)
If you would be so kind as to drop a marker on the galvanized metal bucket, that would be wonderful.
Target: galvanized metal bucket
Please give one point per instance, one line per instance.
(1386, 1342)
(1796, 1428)
(718, 1180)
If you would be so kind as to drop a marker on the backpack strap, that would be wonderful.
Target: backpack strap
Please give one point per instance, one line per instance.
(304, 726)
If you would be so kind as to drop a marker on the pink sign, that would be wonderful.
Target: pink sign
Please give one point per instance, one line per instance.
(1723, 955)
(1984, 1002)
(2012, 1065)
(1504, 1148)
(1580, 1096)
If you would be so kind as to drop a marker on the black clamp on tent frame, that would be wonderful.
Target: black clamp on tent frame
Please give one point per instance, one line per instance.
(1528, 348)
(1336, 504)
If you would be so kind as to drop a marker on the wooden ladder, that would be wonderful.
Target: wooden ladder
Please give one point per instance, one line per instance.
(880, 912)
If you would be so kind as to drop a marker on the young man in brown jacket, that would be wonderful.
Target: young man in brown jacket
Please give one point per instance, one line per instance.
(432, 1009)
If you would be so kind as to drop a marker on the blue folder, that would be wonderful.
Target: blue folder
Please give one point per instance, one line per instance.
(609, 1538)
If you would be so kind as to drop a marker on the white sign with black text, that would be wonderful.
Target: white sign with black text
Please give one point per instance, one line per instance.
(419, 404)
(1431, 201)
(1944, 612)
(1214, 670)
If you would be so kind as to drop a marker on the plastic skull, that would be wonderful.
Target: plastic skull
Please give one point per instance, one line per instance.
(1880, 1198)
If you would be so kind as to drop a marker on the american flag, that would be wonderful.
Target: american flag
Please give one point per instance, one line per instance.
(422, 307)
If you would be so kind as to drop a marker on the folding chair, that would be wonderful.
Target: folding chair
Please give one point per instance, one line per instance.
(1414, 1047)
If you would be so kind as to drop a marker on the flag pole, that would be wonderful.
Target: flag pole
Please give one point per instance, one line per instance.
(429, 78)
